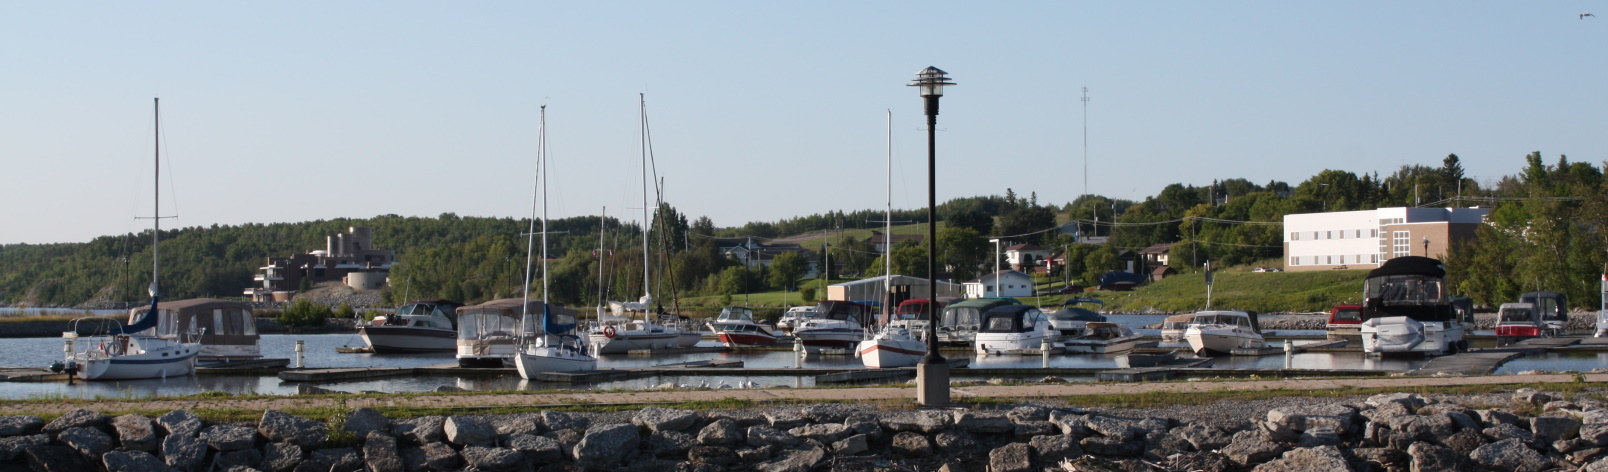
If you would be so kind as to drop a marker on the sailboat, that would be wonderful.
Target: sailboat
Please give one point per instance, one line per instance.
(898, 343)
(547, 343)
(631, 326)
(115, 352)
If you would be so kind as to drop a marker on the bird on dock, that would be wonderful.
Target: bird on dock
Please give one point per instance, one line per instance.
(723, 384)
(1584, 15)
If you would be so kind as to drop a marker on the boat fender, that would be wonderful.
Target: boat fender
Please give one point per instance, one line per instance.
(608, 331)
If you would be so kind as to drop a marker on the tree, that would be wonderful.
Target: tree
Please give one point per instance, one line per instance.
(970, 218)
(961, 250)
(1099, 261)
(1027, 219)
(786, 268)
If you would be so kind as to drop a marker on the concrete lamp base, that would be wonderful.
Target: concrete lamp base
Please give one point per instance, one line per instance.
(932, 384)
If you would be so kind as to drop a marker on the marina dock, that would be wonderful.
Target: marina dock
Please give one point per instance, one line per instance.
(1485, 361)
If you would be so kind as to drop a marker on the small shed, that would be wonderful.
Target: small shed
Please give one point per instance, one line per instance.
(873, 288)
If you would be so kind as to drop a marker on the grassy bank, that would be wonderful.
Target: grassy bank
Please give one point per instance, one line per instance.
(1314, 291)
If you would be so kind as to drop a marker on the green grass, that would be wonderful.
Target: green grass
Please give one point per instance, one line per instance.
(1268, 292)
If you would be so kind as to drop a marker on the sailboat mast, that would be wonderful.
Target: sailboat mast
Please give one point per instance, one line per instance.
(156, 200)
(530, 236)
(541, 145)
(602, 222)
(887, 232)
(642, 131)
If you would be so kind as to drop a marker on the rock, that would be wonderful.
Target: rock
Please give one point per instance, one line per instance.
(136, 433)
(1052, 449)
(1439, 408)
(238, 468)
(721, 432)
(1300, 418)
(522, 423)
(1565, 446)
(865, 424)
(1029, 413)
(1509, 455)
(12, 447)
(956, 442)
(1424, 428)
(1598, 466)
(1013, 457)
(712, 455)
(1595, 433)
(88, 441)
(467, 431)
(1383, 458)
(670, 443)
(133, 461)
(538, 448)
(784, 420)
(1594, 416)
(606, 446)
(1249, 447)
(1203, 436)
(1319, 436)
(795, 460)
(664, 419)
(851, 446)
(1464, 442)
(1560, 405)
(20, 425)
(1551, 428)
(1111, 446)
(421, 430)
(180, 423)
(77, 418)
(57, 459)
(1325, 458)
(362, 420)
(279, 426)
(911, 444)
(1506, 431)
(226, 438)
(493, 458)
(1116, 428)
(1587, 456)
(825, 433)
(1431, 457)
(312, 466)
(1463, 421)
(183, 452)
(247, 458)
(1212, 461)
(1071, 424)
(557, 420)
(1531, 396)
(826, 412)
(1411, 401)
(983, 423)
(339, 459)
(280, 457)
(1029, 429)
(1385, 411)
(925, 422)
(1495, 417)
(761, 436)
(380, 454)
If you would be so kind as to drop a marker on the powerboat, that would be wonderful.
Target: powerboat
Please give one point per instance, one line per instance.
(841, 326)
(227, 330)
(110, 353)
(1072, 319)
(487, 332)
(1345, 320)
(632, 329)
(912, 316)
(1172, 329)
(893, 346)
(1221, 332)
(1014, 329)
(794, 316)
(1552, 308)
(418, 326)
(736, 327)
(1406, 310)
(961, 319)
(1516, 322)
(1101, 337)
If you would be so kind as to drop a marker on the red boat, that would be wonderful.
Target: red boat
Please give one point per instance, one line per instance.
(736, 327)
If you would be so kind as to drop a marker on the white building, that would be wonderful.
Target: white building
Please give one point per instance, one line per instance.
(1365, 238)
(873, 288)
(1005, 283)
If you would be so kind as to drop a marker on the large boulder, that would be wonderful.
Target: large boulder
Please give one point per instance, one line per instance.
(761, 436)
(1013, 457)
(244, 458)
(183, 452)
(1116, 428)
(826, 433)
(1431, 457)
(1112, 446)
(77, 418)
(20, 425)
(491, 458)
(1495, 417)
(852, 445)
(1051, 450)
(421, 430)
(279, 426)
(1551, 428)
(1203, 436)
(433, 457)
(664, 419)
(133, 461)
(468, 431)
(925, 422)
(57, 459)
(280, 457)
(981, 423)
(88, 441)
(558, 420)
(1383, 458)
(721, 432)
(795, 460)
(12, 447)
(1325, 458)
(826, 412)
(712, 455)
(785, 419)
(1509, 455)
(957, 442)
(1300, 418)
(1421, 427)
(606, 446)
(362, 420)
(1029, 429)
(912, 444)
(1250, 447)
(224, 437)
(339, 459)
(670, 443)
(1464, 442)
(1506, 431)
(380, 453)
(521, 423)
(1410, 401)
(180, 423)
(541, 449)
(1024, 414)
(136, 433)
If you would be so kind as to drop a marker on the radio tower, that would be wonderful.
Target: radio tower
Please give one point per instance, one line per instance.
(1085, 141)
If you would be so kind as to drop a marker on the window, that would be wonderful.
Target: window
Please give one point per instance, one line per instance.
(1295, 261)
(1403, 244)
(1376, 258)
(1328, 259)
(1295, 236)
(1328, 234)
(1372, 233)
(1359, 233)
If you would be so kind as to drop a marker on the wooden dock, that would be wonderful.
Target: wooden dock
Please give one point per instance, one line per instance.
(1485, 361)
(872, 375)
(30, 374)
(325, 375)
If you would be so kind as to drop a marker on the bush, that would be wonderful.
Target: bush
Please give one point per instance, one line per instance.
(345, 311)
(808, 294)
(304, 313)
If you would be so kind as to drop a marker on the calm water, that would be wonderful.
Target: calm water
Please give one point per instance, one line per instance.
(14, 311)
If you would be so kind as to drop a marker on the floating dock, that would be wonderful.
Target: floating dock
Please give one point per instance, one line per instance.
(1485, 361)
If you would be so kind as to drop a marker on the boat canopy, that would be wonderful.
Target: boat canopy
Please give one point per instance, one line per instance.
(913, 309)
(970, 312)
(1523, 314)
(499, 318)
(1410, 265)
(434, 308)
(1236, 318)
(1552, 306)
(736, 313)
(842, 310)
(1011, 319)
(224, 321)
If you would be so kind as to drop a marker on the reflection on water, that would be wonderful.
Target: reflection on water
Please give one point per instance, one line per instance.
(1556, 362)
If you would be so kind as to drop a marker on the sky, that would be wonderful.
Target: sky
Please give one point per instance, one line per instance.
(299, 110)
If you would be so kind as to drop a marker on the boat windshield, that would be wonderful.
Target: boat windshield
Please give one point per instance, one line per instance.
(961, 316)
(912, 311)
(1348, 314)
(475, 326)
(736, 314)
(1406, 290)
(1516, 315)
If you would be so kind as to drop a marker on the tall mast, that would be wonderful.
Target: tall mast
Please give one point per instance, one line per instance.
(602, 221)
(1086, 146)
(541, 145)
(530, 236)
(642, 105)
(156, 202)
(887, 232)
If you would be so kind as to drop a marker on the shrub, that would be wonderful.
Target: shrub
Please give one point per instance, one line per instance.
(304, 313)
(808, 293)
(345, 311)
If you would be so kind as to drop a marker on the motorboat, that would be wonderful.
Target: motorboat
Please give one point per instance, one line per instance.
(632, 328)
(793, 316)
(1345, 320)
(1072, 318)
(1518, 321)
(961, 319)
(841, 326)
(1172, 328)
(1014, 330)
(548, 340)
(735, 326)
(1552, 309)
(912, 316)
(487, 332)
(418, 326)
(893, 346)
(1406, 310)
(1101, 337)
(227, 330)
(1133, 360)
(1221, 332)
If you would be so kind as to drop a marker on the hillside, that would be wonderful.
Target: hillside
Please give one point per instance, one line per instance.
(1240, 289)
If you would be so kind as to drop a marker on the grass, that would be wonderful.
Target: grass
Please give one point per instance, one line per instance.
(1267, 292)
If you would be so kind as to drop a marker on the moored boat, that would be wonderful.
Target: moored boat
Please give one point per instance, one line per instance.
(841, 326)
(1101, 337)
(1516, 322)
(487, 332)
(735, 326)
(418, 326)
(1071, 320)
(1345, 320)
(961, 319)
(1014, 330)
(226, 330)
(893, 346)
(1406, 310)
(1221, 332)
(1172, 329)
(794, 316)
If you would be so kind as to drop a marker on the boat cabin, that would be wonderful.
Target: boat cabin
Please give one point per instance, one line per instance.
(1552, 307)
(1410, 286)
(1346, 315)
(1227, 318)
(488, 332)
(842, 310)
(1515, 321)
(1178, 322)
(227, 330)
(736, 314)
(913, 310)
(1012, 319)
(431, 313)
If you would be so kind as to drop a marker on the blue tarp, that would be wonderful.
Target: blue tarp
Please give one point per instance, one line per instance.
(1114, 277)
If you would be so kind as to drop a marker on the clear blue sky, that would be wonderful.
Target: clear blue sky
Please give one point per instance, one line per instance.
(294, 111)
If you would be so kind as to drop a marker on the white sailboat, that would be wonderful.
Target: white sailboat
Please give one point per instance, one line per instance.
(114, 352)
(547, 343)
(896, 344)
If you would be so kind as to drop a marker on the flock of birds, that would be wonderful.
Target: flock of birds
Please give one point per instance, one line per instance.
(705, 384)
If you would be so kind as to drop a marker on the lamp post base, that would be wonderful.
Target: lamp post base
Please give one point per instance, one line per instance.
(932, 384)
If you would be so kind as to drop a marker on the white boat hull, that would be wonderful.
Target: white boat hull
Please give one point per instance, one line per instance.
(818, 336)
(1100, 346)
(1222, 340)
(1403, 335)
(892, 351)
(627, 341)
(407, 339)
(1012, 343)
(169, 359)
(540, 359)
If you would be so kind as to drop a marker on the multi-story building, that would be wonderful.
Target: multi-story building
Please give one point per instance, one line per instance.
(1365, 238)
(348, 257)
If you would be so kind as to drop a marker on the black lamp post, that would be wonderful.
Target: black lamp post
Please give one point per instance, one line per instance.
(932, 374)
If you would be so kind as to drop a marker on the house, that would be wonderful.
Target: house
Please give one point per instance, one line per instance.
(348, 257)
(1005, 283)
(1026, 256)
(747, 252)
(1364, 239)
(1155, 255)
(882, 242)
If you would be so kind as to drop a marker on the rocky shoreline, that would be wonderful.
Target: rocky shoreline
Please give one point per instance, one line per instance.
(1526, 430)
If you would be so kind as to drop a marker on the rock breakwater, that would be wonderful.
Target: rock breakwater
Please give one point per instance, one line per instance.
(1530, 431)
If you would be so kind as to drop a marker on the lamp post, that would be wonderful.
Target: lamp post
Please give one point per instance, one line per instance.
(1426, 246)
(997, 291)
(932, 374)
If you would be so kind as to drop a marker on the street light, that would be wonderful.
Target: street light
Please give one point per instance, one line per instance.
(932, 374)
(1426, 246)
(996, 269)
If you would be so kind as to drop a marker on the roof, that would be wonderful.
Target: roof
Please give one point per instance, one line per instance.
(195, 304)
(988, 277)
(980, 303)
(1410, 265)
(1025, 247)
(1157, 248)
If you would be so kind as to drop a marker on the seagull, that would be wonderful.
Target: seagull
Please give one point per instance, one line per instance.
(1584, 15)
